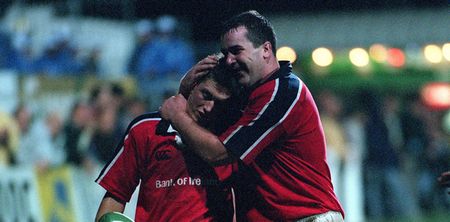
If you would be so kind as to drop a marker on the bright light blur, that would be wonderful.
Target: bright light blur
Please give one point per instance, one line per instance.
(359, 57)
(433, 53)
(378, 53)
(322, 57)
(286, 53)
(396, 57)
(436, 95)
(446, 51)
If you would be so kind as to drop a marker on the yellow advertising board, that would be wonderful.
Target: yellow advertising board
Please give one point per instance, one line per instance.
(56, 192)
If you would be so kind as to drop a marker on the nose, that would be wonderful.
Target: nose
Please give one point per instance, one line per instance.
(208, 106)
(230, 59)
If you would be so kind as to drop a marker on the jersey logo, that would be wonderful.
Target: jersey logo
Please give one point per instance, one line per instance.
(162, 155)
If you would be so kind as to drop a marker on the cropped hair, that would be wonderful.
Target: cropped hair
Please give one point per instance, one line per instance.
(223, 75)
(259, 28)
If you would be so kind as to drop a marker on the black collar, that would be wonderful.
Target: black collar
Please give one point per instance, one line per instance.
(164, 128)
(284, 70)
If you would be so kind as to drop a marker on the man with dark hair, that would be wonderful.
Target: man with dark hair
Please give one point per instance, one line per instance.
(174, 184)
(281, 173)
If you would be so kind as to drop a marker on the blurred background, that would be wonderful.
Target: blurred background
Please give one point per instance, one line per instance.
(74, 73)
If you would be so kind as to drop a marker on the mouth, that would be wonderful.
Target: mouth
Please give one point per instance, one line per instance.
(239, 69)
(238, 72)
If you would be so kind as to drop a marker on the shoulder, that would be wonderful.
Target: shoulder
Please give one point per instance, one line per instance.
(283, 84)
(147, 120)
(284, 79)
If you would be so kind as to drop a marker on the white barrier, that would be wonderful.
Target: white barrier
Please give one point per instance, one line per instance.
(9, 92)
(64, 194)
(18, 196)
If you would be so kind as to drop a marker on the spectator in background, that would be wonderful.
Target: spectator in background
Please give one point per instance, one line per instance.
(22, 57)
(78, 133)
(330, 107)
(39, 146)
(438, 159)
(175, 55)
(416, 140)
(424, 133)
(60, 56)
(345, 145)
(108, 101)
(134, 107)
(9, 139)
(354, 125)
(172, 57)
(142, 59)
(6, 51)
(91, 64)
(143, 49)
(387, 192)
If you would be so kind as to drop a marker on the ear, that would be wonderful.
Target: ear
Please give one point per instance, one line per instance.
(267, 49)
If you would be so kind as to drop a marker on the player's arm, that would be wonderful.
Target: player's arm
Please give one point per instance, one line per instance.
(200, 140)
(109, 204)
(444, 179)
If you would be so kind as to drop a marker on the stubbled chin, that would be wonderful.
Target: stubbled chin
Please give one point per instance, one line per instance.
(243, 81)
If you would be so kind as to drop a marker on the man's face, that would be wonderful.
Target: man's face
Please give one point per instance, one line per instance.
(203, 99)
(246, 60)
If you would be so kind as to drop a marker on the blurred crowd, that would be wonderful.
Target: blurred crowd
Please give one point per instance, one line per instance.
(385, 151)
(159, 57)
(59, 56)
(87, 136)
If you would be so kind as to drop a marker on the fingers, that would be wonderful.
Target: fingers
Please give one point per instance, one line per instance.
(207, 63)
(198, 70)
(212, 58)
(201, 68)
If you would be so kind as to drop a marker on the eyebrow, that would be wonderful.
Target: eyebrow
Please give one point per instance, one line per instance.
(215, 98)
(231, 48)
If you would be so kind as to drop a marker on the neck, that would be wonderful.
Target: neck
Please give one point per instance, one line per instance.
(272, 67)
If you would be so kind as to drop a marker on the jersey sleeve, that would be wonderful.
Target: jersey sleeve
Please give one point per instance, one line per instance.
(261, 122)
(120, 176)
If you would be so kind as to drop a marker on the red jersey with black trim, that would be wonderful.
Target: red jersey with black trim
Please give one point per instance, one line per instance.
(281, 143)
(174, 185)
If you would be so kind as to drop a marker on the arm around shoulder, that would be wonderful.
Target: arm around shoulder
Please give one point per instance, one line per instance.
(200, 140)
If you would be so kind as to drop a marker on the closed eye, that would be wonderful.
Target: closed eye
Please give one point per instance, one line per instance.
(235, 50)
(207, 95)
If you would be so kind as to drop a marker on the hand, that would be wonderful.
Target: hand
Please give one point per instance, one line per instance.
(444, 179)
(201, 68)
(173, 106)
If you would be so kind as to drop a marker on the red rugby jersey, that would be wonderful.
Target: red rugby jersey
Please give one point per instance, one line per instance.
(280, 140)
(174, 185)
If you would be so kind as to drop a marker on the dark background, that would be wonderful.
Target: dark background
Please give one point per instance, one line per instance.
(205, 16)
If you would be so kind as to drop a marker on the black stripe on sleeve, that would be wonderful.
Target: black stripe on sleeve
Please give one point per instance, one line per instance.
(247, 136)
